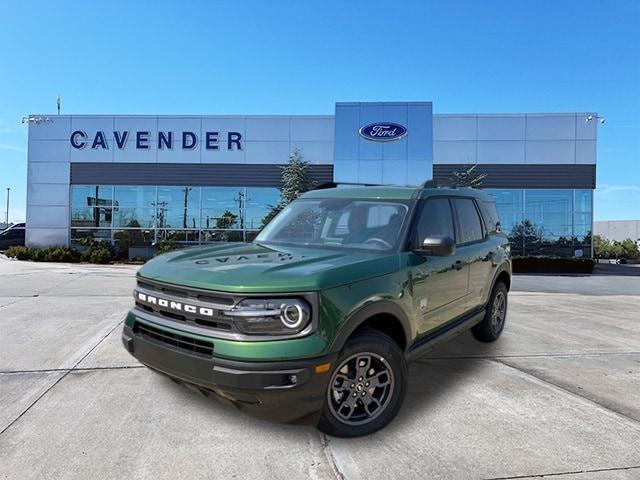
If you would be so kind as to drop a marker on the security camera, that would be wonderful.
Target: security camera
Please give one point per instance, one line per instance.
(589, 118)
(602, 120)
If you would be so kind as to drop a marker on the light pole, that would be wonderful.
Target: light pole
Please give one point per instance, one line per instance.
(7, 218)
(7, 213)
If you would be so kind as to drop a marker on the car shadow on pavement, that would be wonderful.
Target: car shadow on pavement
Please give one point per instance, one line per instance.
(434, 377)
(431, 379)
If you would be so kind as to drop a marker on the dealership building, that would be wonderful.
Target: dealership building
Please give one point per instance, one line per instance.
(138, 180)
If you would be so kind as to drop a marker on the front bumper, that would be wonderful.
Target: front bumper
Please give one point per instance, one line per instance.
(283, 391)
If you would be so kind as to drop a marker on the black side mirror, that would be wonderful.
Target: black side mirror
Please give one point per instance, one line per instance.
(438, 246)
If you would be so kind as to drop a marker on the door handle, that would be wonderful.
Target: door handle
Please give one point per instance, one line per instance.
(458, 265)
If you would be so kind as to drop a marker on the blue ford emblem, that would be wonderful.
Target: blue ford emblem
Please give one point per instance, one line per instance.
(383, 132)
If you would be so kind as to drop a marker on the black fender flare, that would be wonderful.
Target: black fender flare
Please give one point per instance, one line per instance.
(369, 310)
(503, 268)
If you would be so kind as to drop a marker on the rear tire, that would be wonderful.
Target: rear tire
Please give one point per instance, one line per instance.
(490, 328)
(367, 386)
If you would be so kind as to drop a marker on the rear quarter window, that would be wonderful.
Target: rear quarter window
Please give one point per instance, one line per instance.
(490, 215)
(469, 222)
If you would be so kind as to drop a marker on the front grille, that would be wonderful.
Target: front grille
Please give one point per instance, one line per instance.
(215, 301)
(180, 342)
(217, 325)
(187, 293)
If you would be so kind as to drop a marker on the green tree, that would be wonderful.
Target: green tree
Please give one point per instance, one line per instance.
(630, 249)
(601, 247)
(295, 181)
(467, 177)
(616, 250)
(226, 221)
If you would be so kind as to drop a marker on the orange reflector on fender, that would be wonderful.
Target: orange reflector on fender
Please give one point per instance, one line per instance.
(323, 367)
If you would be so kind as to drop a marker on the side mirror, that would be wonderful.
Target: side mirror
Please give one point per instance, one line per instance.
(438, 246)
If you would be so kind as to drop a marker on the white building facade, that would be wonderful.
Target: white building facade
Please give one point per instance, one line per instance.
(137, 180)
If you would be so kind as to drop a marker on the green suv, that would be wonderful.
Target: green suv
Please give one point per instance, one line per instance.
(317, 318)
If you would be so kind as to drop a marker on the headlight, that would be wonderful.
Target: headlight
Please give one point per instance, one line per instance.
(278, 316)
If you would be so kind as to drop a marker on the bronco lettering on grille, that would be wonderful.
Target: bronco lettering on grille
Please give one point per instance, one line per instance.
(177, 306)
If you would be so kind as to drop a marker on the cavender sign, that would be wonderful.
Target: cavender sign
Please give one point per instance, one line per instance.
(164, 140)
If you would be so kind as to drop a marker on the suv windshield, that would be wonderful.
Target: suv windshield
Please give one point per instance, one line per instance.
(343, 223)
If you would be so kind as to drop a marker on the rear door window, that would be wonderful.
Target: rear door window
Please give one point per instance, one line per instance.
(469, 223)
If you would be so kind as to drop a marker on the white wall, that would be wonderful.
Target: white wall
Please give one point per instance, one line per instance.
(618, 229)
(457, 138)
(532, 138)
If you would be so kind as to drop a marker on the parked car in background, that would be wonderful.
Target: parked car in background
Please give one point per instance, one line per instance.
(12, 236)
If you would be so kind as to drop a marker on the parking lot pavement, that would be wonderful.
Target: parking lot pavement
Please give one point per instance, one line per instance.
(558, 394)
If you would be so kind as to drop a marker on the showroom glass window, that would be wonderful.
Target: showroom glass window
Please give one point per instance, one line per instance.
(583, 221)
(91, 206)
(258, 205)
(509, 204)
(222, 214)
(178, 207)
(142, 215)
(549, 217)
(134, 206)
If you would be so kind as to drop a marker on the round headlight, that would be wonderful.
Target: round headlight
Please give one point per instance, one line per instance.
(292, 315)
(278, 316)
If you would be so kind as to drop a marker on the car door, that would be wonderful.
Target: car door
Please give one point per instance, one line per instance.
(474, 247)
(9, 238)
(439, 284)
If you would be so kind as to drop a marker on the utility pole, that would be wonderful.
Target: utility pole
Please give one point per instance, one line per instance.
(186, 191)
(7, 219)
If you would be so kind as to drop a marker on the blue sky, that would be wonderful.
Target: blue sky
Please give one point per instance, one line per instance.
(301, 57)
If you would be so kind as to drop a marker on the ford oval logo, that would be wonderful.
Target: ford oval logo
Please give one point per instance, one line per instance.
(383, 132)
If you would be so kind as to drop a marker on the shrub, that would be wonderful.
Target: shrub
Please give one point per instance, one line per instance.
(166, 246)
(61, 254)
(97, 252)
(100, 255)
(20, 252)
(47, 254)
(552, 265)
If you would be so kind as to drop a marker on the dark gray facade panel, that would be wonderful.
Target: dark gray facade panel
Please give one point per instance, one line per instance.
(193, 174)
(527, 176)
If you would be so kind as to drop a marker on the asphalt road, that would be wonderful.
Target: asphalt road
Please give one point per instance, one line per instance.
(557, 395)
(606, 280)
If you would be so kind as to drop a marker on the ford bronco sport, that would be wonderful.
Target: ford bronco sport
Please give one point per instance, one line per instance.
(317, 318)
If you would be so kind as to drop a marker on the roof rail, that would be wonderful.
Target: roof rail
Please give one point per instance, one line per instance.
(438, 184)
(325, 185)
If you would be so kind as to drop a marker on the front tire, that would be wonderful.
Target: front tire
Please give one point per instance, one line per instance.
(490, 328)
(367, 386)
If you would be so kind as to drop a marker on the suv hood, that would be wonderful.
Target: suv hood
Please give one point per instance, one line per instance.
(255, 268)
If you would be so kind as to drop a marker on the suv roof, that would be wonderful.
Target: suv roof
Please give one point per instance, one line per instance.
(393, 192)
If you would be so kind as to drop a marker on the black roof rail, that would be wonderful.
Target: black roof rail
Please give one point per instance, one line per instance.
(325, 185)
(438, 184)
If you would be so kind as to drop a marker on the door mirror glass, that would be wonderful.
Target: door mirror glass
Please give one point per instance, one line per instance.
(438, 246)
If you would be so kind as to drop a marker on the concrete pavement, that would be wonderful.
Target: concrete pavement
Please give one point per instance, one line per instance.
(558, 395)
